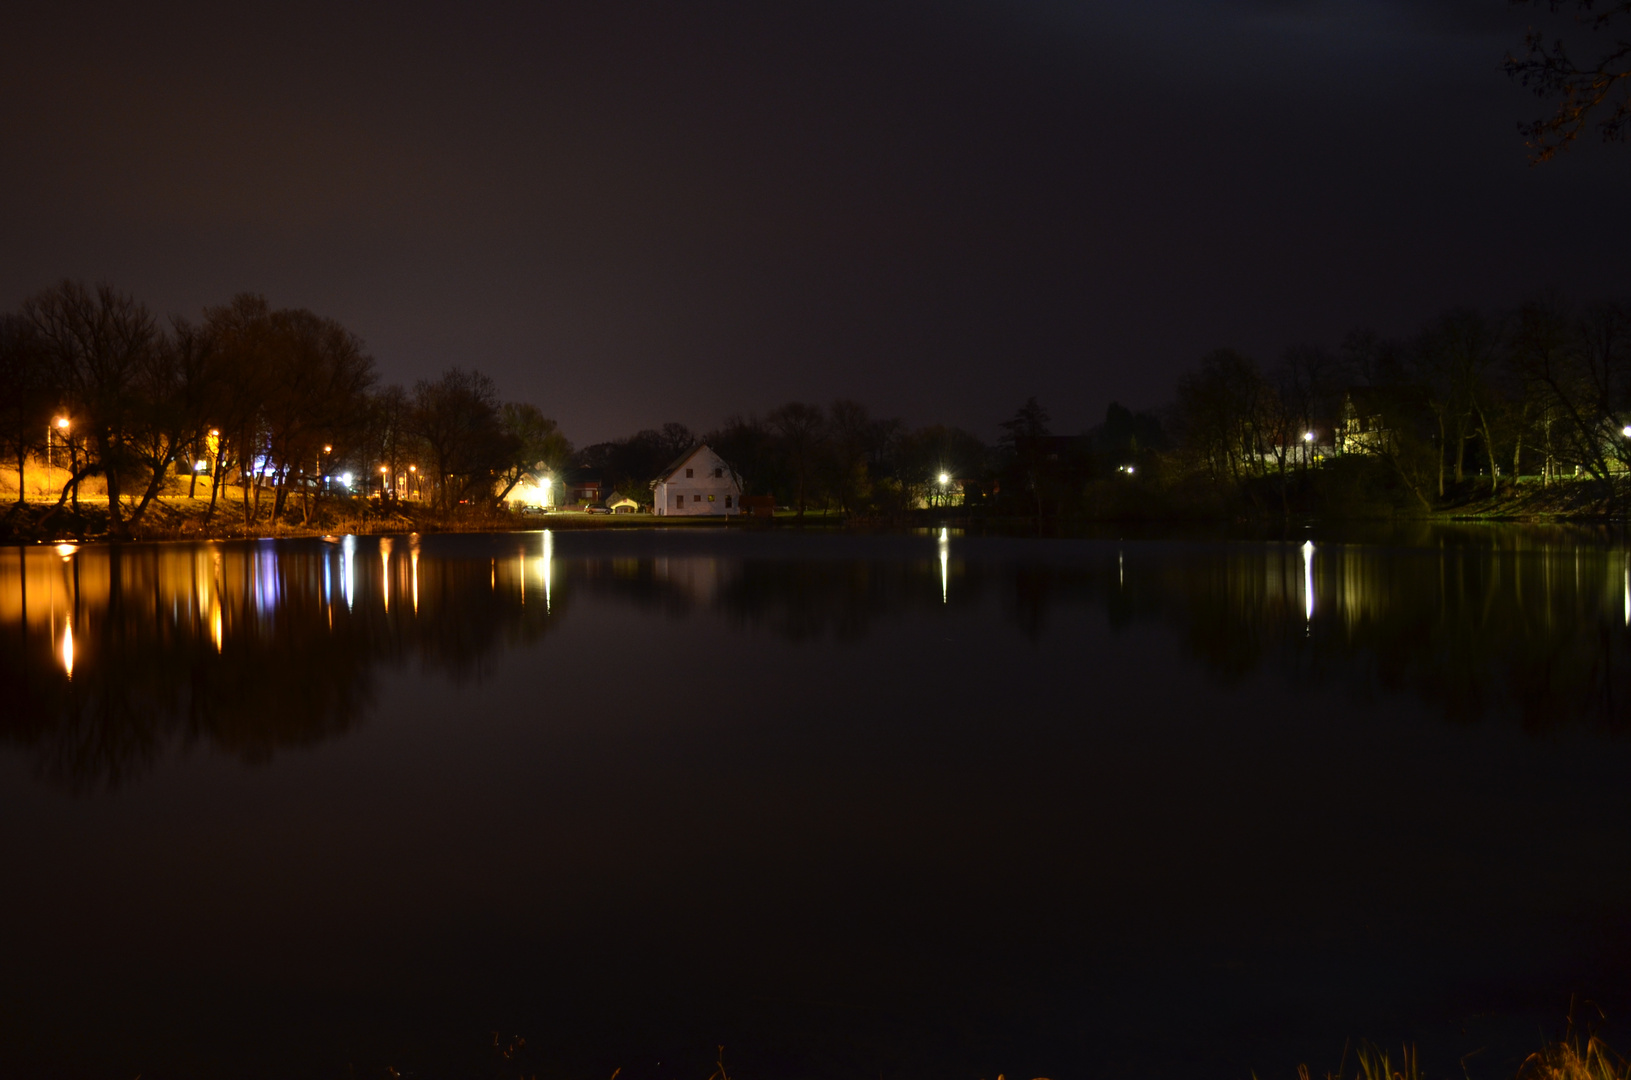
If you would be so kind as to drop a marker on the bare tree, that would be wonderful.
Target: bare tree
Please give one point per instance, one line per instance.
(801, 430)
(1581, 90)
(241, 332)
(457, 419)
(97, 342)
(318, 384)
(1581, 364)
(25, 395)
(535, 445)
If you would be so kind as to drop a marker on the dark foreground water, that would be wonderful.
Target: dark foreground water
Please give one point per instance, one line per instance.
(907, 806)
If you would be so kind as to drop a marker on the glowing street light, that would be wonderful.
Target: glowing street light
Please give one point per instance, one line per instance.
(1626, 431)
(62, 426)
(1308, 436)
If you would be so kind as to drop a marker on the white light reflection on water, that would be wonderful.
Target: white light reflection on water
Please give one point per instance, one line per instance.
(945, 562)
(68, 645)
(348, 575)
(1308, 580)
(549, 562)
(1628, 594)
(215, 598)
(413, 558)
(385, 571)
(268, 587)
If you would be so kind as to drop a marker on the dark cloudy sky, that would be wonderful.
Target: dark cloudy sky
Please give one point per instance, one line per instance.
(637, 213)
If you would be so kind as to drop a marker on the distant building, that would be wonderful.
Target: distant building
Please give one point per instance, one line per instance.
(581, 486)
(621, 504)
(758, 505)
(1374, 418)
(697, 484)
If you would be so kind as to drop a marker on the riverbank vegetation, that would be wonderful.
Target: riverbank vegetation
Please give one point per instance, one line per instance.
(118, 422)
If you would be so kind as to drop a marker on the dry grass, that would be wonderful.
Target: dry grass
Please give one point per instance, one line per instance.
(1578, 1055)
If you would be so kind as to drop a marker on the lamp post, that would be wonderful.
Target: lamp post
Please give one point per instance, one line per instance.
(413, 481)
(60, 424)
(944, 480)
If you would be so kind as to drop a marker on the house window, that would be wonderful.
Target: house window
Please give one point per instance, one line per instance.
(727, 502)
(719, 473)
(688, 474)
(696, 498)
(679, 500)
(710, 498)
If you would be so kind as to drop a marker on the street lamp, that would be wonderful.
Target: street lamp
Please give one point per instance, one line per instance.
(61, 423)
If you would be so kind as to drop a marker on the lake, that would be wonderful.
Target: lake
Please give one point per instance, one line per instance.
(928, 805)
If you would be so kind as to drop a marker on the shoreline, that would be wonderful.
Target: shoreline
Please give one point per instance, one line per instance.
(174, 518)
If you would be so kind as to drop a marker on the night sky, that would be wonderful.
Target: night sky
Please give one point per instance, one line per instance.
(637, 213)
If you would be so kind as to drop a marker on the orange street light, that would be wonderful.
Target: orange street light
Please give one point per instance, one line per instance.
(62, 423)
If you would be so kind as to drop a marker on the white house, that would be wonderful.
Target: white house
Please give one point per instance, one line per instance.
(698, 483)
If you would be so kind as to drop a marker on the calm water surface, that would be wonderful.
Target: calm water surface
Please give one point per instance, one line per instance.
(933, 805)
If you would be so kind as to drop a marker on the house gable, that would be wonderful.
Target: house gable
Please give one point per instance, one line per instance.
(699, 482)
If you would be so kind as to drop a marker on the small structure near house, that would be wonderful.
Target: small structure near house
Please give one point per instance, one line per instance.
(758, 506)
(1374, 418)
(698, 484)
(622, 504)
(582, 487)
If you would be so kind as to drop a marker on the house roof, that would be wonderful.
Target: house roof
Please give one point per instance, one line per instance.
(678, 463)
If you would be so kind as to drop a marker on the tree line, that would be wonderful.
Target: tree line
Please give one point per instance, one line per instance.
(282, 400)
(1473, 400)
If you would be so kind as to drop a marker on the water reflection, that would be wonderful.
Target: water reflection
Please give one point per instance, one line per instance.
(116, 654)
(1308, 581)
(945, 562)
